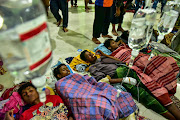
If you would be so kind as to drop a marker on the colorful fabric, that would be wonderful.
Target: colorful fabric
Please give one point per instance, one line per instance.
(104, 3)
(54, 110)
(8, 92)
(175, 56)
(144, 96)
(15, 102)
(77, 60)
(160, 74)
(89, 99)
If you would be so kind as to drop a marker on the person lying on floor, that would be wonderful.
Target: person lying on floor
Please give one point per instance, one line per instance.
(55, 108)
(159, 77)
(89, 99)
(107, 66)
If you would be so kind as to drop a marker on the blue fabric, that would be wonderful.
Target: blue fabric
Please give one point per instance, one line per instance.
(69, 59)
(99, 2)
(81, 67)
(103, 49)
(58, 63)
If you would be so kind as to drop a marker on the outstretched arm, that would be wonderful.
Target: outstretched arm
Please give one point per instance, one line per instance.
(103, 54)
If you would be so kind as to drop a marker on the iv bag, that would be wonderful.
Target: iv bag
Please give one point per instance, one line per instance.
(141, 28)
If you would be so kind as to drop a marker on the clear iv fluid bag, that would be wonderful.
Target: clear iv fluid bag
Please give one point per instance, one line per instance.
(24, 38)
(141, 28)
(167, 22)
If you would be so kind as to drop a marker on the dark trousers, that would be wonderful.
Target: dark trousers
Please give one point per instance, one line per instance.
(74, 3)
(101, 21)
(55, 5)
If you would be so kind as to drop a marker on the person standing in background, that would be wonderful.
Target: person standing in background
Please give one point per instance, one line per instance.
(102, 19)
(55, 5)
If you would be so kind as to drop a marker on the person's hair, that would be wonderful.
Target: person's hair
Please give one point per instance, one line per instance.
(82, 55)
(56, 71)
(107, 43)
(24, 86)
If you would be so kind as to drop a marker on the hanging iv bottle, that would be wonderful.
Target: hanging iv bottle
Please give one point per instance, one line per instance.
(168, 20)
(141, 31)
(25, 44)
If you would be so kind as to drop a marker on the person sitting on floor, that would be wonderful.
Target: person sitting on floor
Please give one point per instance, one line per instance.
(54, 107)
(89, 99)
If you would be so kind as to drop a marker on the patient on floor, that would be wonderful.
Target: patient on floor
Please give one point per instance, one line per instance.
(54, 107)
(89, 99)
(138, 67)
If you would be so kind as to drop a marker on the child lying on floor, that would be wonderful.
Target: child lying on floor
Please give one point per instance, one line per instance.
(161, 84)
(89, 99)
(34, 109)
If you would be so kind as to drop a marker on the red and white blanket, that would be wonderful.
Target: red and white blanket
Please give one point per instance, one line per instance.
(159, 76)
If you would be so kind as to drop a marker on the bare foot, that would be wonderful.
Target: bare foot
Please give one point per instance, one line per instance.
(114, 33)
(96, 41)
(87, 10)
(1, 87)
(107, 36)
(120, 29)
(76, 6)
(59, 23)
(71, 5)
(65, 29)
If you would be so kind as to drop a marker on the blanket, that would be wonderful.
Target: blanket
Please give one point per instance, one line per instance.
(159, 76)
(89, 99)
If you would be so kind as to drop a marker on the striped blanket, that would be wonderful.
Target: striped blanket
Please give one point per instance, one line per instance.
(88, 99)
(159, 76)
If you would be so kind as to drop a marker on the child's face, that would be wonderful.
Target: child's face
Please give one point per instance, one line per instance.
(90, 57)
(113, 45)
(64, 71)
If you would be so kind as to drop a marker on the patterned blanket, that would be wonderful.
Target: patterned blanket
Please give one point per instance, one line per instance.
(88, 99)
(160, 74)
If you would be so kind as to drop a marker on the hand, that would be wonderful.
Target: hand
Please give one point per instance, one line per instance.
(68, 0)
(99, 52)
(9, 115)
(117, 12)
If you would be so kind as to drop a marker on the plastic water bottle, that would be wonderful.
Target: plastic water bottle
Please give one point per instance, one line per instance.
(141, 31)
(25, 45)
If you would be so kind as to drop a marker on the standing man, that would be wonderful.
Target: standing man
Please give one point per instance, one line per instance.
(55, 5)
(102, 19)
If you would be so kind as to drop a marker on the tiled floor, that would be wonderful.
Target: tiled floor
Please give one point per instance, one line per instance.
(79, 37)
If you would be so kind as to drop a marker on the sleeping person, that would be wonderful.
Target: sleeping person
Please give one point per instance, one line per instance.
(89, 99)
(160, 90)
